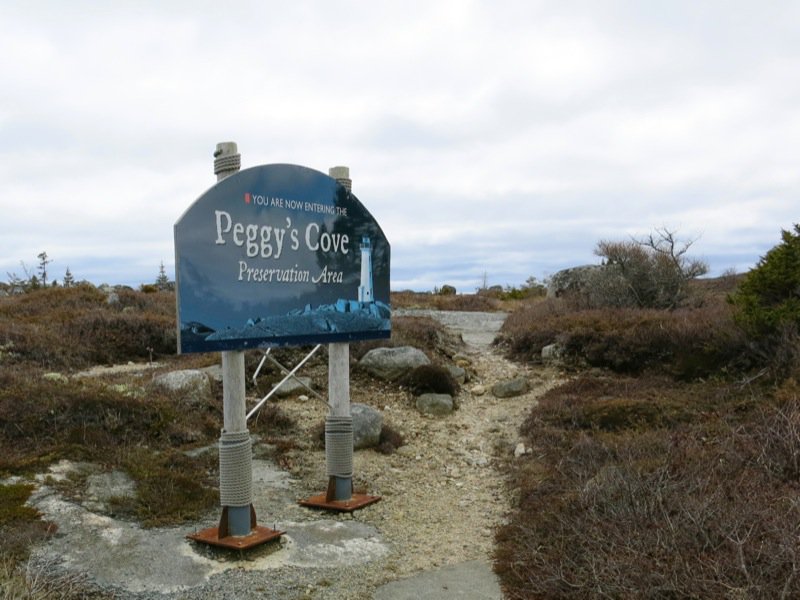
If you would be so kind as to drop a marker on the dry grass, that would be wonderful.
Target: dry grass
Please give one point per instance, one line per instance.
(459, 302)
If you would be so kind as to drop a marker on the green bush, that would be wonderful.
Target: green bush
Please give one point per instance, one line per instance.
(768, 298)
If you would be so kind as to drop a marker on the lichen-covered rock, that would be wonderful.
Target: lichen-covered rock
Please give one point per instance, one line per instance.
(392, 363)
(192, 385)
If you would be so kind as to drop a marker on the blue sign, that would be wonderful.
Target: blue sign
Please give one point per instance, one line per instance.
(279, 255)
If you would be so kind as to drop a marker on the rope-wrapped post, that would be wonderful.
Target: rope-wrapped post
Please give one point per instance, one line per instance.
(235, 446)
(339, 456)
(236, 470)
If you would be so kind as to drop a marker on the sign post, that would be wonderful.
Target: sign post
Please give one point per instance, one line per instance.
(270, 256)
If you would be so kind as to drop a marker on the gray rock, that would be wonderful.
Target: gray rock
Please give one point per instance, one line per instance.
(192, 385)
(458, 373)
(571, 280)
(292, 387)
(552, 353)
(112, 298)
(367, 425)
(214, 372)
(510, 388)
(435, 404)
(392, 363)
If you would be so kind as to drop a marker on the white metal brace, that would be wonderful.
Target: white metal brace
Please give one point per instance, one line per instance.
(290, 375)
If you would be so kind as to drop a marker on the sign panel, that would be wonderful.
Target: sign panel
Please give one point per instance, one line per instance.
(279, 255)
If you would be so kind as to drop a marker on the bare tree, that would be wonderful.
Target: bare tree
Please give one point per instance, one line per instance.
(650, 272)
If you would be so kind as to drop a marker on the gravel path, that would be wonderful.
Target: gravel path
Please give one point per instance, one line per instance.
(442, 497)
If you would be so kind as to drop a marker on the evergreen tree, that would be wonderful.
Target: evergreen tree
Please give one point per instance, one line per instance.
(769, 296)
(162, 281)
(69, 280)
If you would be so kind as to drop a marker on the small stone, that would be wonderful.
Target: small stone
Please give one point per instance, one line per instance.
(510, 388)
(478, 390)
(435, 404)
(55, 377)
(457, 373)
(519, 450)
(552, 353)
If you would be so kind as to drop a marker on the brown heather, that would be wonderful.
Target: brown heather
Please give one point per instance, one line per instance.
(670, 470)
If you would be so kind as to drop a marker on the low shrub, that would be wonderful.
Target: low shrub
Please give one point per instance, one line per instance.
(76, 327)
(691, 498)
(430, 379)
(20, 525)
(686, 343)
(390, 440)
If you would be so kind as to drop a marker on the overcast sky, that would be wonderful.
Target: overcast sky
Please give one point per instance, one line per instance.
(497, 139)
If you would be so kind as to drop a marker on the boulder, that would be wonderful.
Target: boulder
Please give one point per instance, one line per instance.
(367, 425)
(574, 279)
(510, 388)
(192, 385)
(435, 404)
(392, 363)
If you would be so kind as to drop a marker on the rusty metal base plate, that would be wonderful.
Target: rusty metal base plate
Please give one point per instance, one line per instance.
(356, 501)
(257, 536)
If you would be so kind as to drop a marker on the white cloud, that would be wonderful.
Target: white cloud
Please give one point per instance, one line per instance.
(485, 136)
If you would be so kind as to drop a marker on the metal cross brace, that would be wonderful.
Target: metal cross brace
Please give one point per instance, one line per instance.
(290, 375)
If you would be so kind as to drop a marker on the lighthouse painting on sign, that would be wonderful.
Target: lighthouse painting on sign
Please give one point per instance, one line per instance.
(280, 255)
(365, 289)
